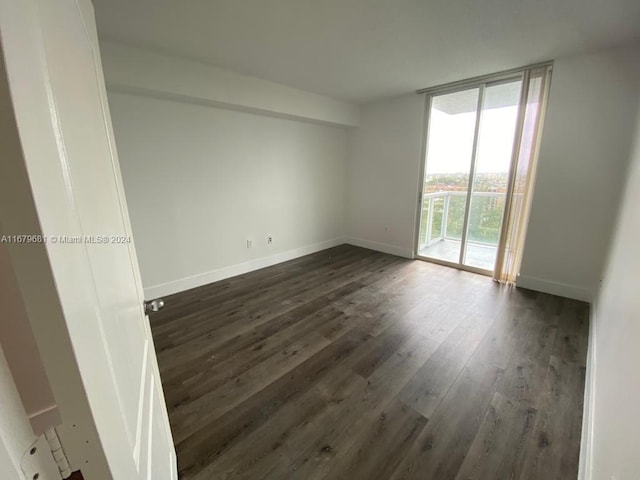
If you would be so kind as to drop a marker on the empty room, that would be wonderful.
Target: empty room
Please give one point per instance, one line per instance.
(319, 240)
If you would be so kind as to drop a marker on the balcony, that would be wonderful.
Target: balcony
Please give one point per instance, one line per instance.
(442, 222)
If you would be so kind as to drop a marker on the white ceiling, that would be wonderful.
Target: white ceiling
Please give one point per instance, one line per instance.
(361, 50)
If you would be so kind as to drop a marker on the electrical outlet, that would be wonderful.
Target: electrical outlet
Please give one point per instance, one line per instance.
(269, 239)
(249, 243)
(386, 229)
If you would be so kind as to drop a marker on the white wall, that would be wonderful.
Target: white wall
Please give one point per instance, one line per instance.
(129, 69)
(200, 181)
(583, 157)
(21, 351)
(384, 165)
(584, 152)
(613, 386)
(15, 437)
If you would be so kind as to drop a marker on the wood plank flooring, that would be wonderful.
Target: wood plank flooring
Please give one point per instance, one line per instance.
(353, 364)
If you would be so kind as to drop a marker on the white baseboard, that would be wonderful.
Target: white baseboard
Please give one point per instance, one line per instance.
(380, 247)
(198, 280)
(586, 440)
(555, 288)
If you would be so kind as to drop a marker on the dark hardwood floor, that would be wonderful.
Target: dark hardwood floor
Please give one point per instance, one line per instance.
(353, 364)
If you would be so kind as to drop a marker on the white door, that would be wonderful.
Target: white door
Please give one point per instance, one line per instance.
(58, 93)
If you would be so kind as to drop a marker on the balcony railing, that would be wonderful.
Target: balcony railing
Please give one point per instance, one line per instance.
(443, 217)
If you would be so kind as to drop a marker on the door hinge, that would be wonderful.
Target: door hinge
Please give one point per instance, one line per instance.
(37, 462)
(58, 452)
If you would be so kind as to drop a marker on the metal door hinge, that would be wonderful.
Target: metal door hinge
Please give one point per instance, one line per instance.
(37, 462)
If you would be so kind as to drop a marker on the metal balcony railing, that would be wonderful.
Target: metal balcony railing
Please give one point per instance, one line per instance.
(443, 217)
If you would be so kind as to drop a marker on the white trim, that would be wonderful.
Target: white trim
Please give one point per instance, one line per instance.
(585, 469)
(200, 279)
(381, 247)
(566, 290)
(44, 419)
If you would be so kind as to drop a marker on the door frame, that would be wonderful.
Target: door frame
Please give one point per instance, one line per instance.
(480, 83)
(33, 180)
(17, 439)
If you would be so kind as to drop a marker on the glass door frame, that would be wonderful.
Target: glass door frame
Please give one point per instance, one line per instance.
(480, 83)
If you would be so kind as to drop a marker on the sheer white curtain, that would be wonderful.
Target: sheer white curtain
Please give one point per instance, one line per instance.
(532, 108)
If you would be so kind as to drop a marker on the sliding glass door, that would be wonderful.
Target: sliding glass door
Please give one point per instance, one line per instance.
(469, 156)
